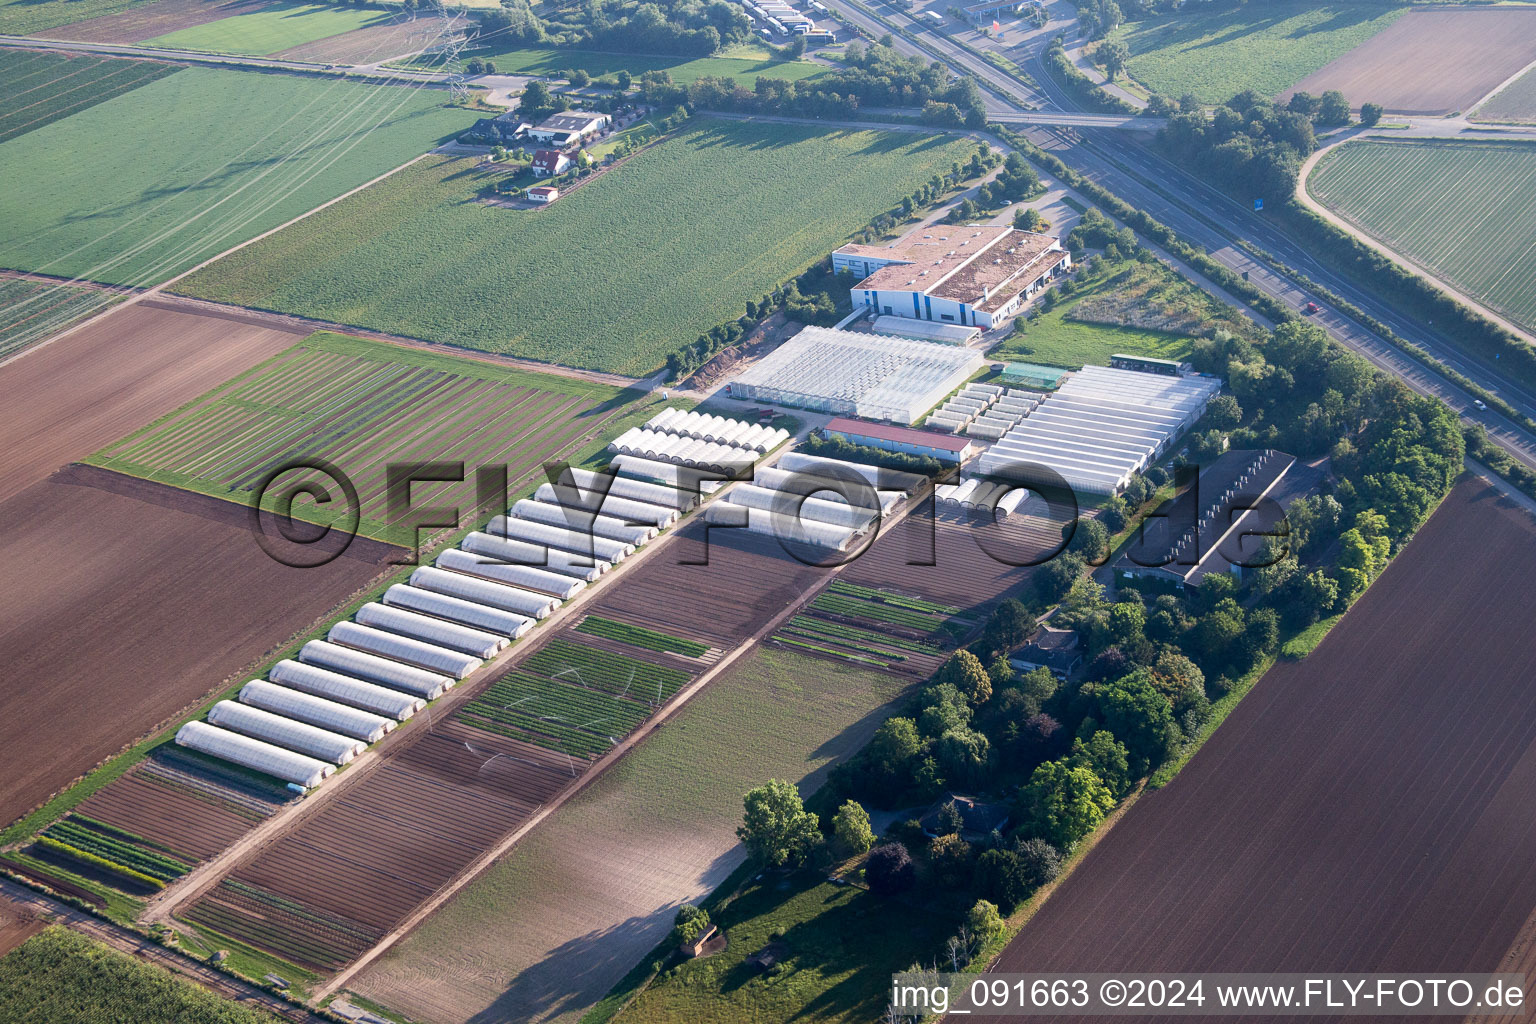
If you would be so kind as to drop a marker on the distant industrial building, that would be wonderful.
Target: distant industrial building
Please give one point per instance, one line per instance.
(907, 441)
(1101, 426)
(569, 128)
(872, 376)
(975, 276)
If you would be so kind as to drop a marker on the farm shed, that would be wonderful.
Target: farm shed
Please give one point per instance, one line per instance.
(583, 545)
(627, 510)
(370, 667)
(316, 711)
(873, 376)
(254, 754)
(403, 648)
(1099, 428)
(545, 589)
(481, 591)
(345, 689)
(555, 514)
(902, 439)
(521, 553)
(727, 515)
(456, 609)
(285, 732)
(838, 513)
(455, 637)
(876, 475)
(826, 488)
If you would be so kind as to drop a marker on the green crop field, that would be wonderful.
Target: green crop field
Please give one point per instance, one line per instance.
(1268, 47)
(31, 311)
(594, 884)
(362, 404)
(59, 977)
(271, 29)
(1516, 102)
(1451, 206)
(545, 60)
(40, 88)
(180, 169)
(33, 17)
(611, 277)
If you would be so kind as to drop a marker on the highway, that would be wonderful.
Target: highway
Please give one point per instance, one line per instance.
(1206, 217)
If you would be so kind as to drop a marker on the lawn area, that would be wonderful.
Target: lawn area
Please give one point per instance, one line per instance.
(363, 405)
(271, 29)
(586, 896)
(742, 65)
(40, 88)
(1268, 47)
(185, 167)
(843, 944)
(59, 977)
(1446, 205)
(687, 231)
(28, 17)
(1056, 339)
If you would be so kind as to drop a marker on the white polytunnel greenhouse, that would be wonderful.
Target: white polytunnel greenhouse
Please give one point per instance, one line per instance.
(1011, 502)
(456, 609)
(702, 426)
(838, 513)
(824, 487)
(545, 589)
(623, 487)
(285, 732)
(726, 515)
(580, 519)
(703, 456)
(431, 657)
(299, 769)
(890, 478)
(638, 467)
(371, 667)
(464, 639)
(316, 711)
(558, 539)
(345, 689)
(540, 556)
(626, 509)
(480, 591)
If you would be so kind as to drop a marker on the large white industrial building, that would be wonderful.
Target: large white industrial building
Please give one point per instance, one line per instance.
(872, 376)
(1099, 428)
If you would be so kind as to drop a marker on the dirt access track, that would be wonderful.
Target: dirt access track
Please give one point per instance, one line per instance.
(66, 398)
(1366, 809)
(121, 603)
(1432, 61)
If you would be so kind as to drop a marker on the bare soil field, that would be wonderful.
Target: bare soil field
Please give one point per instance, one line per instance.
(1366, 809)
(369, 45)
(17, 925)
(70, 397)
(956, 558)
(145, 21)
(121, 603)
(1431, 61)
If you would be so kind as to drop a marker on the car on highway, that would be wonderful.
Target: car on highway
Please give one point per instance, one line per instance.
(1480, 405)
(1310, 308)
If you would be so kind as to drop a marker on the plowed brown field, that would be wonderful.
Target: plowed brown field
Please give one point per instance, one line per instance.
(1431, 61)
(1368, 808)
(67, 399)
(122, 602)
(146, 21)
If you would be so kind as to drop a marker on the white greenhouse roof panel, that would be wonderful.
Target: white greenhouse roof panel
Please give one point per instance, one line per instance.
(452, 635)
(518, 552)
(267, 758)
(317, 711)
(456, 609)
(418, 682)
(874, 376)
(344, 689)
(287, 733)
